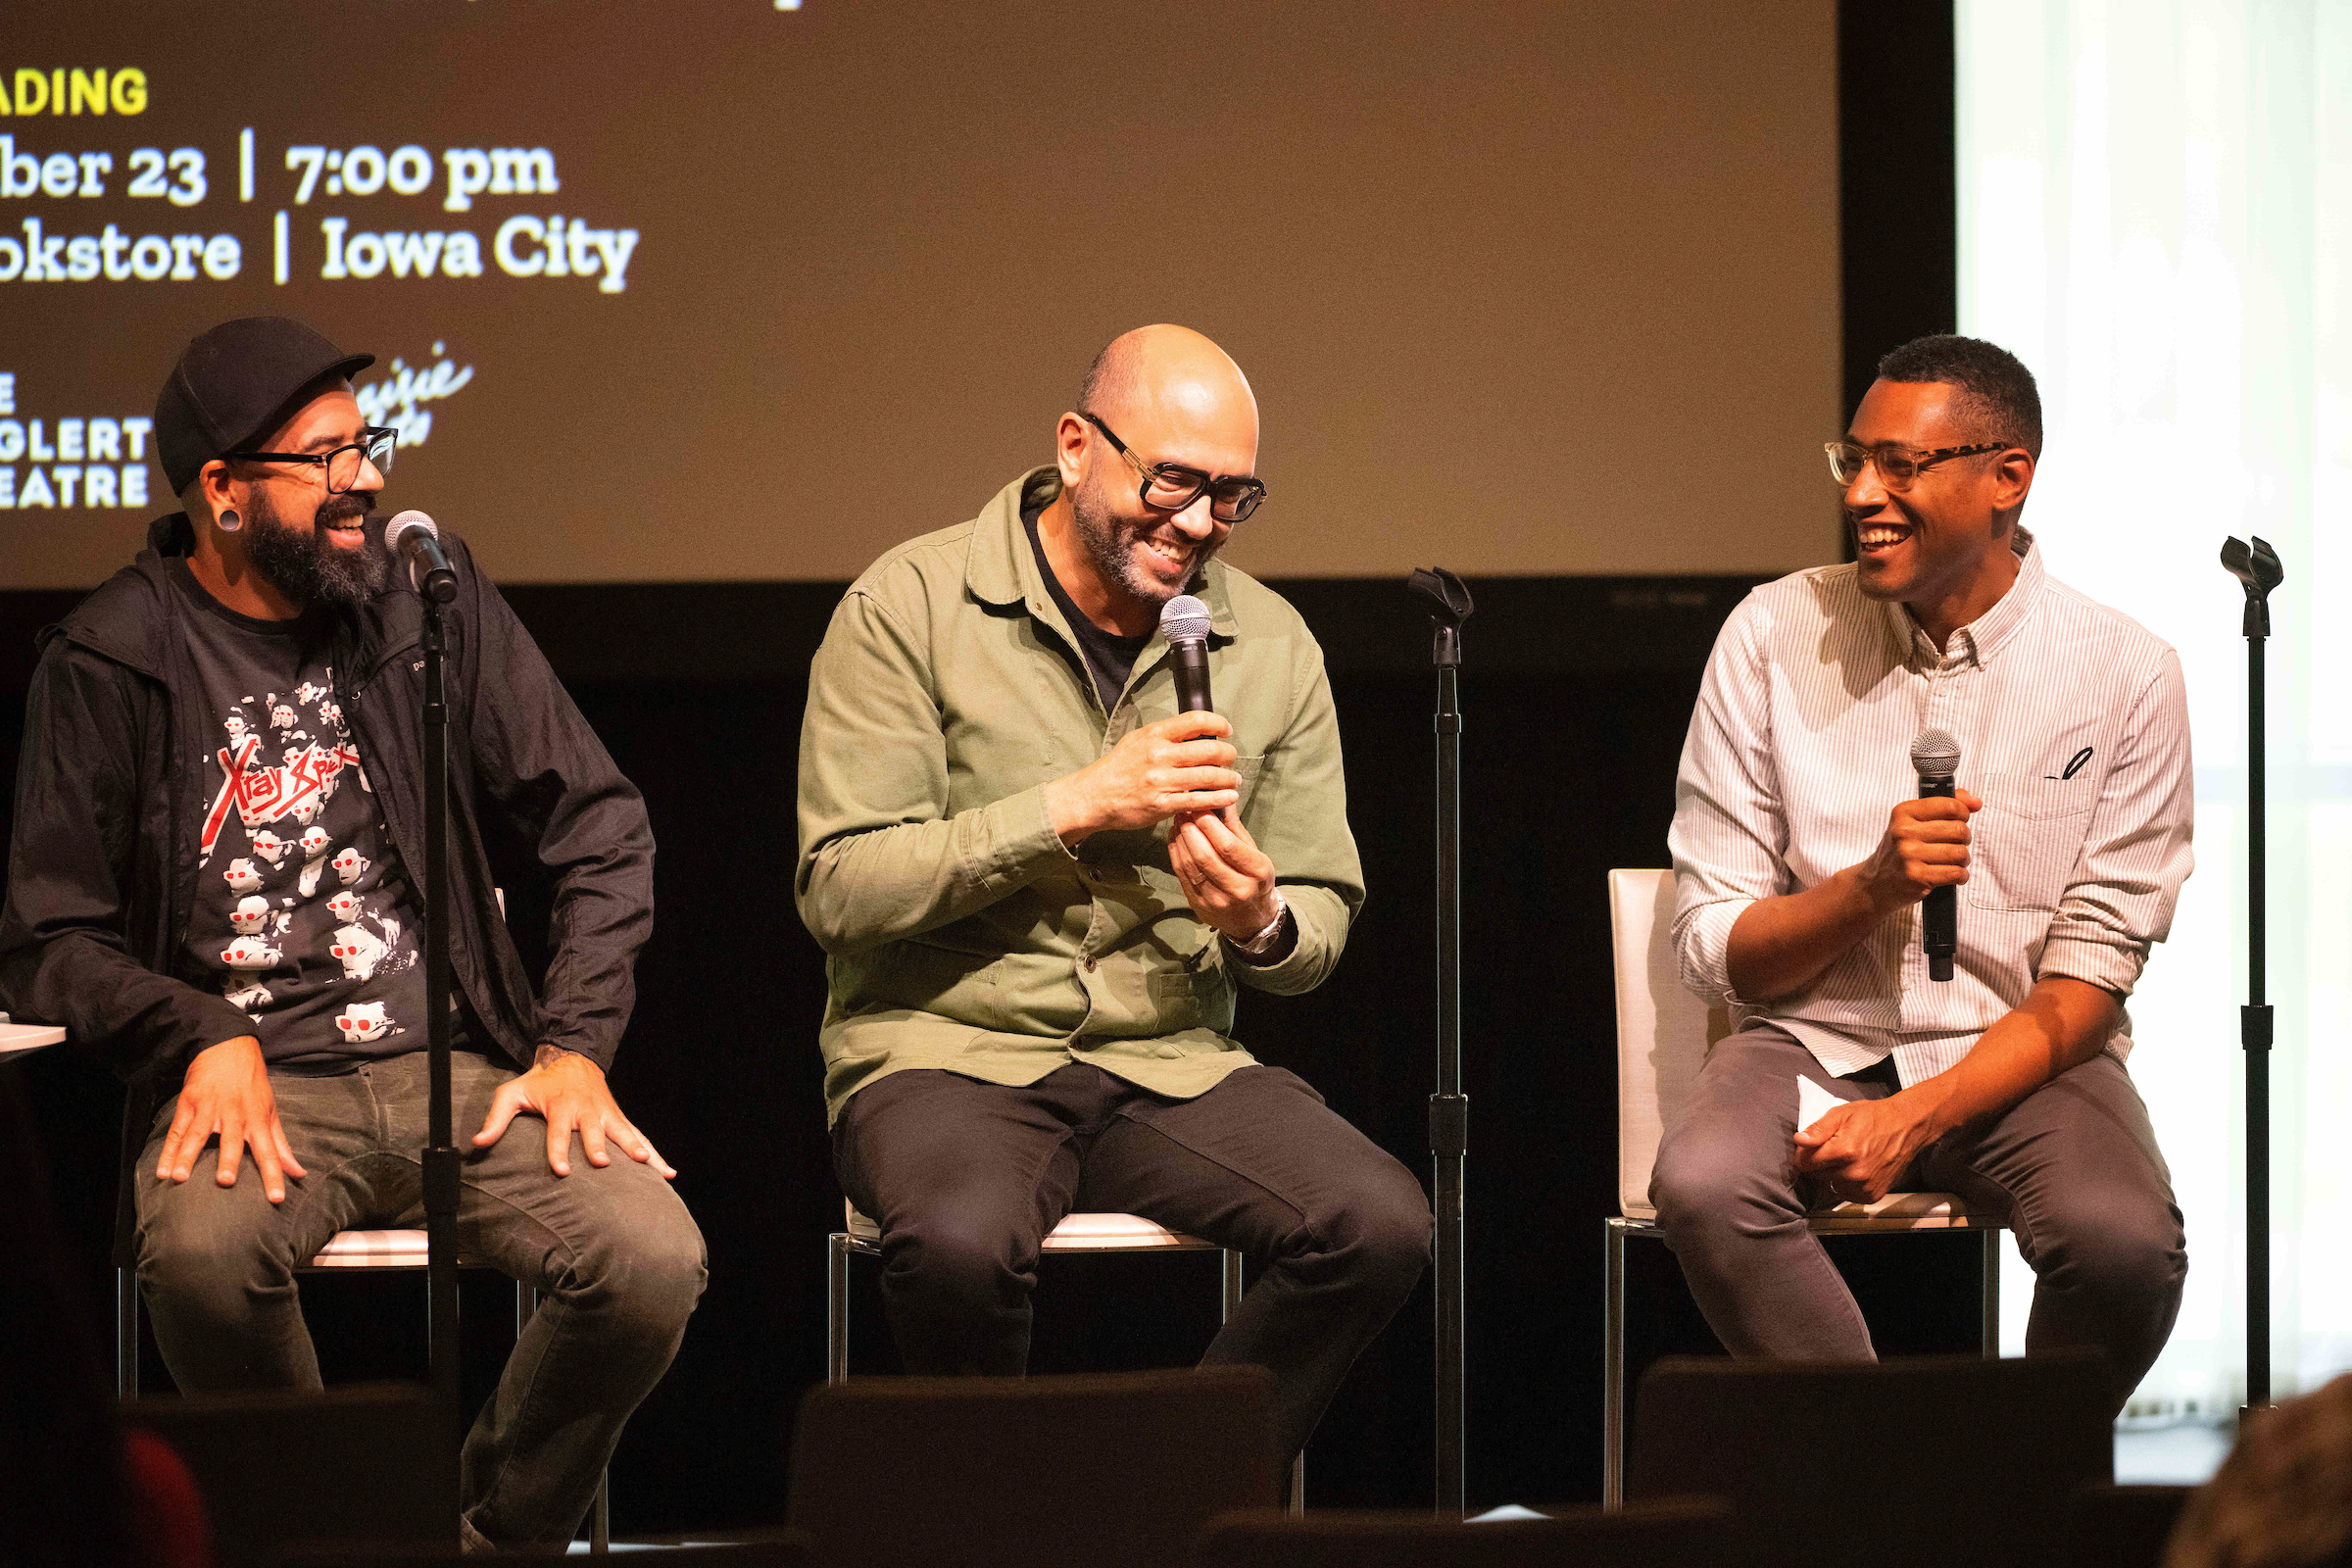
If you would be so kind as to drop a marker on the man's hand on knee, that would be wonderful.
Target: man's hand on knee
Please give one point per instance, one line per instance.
(228, 1095)
(1862, 1148)
(568, 1091)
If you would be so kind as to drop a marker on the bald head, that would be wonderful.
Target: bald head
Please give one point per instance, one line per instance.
(1167, 373)
(1158, 399)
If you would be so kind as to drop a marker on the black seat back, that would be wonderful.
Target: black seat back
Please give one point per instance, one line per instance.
(1029, 1472)
(1924, 1460)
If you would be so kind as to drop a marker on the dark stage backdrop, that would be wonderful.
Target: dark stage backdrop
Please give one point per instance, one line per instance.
(1577, 691)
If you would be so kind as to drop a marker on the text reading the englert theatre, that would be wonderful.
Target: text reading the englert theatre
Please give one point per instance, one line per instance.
(376, 234)
(91, 461)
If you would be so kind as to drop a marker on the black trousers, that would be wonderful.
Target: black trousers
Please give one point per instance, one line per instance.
(966, 1178)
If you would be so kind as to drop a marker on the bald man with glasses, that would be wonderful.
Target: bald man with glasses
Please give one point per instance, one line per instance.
(1039, 889)
(1802, 856)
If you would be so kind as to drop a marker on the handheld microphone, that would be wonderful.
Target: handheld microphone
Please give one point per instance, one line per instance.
(1184, 622)
(1935, 757)
(413, 534)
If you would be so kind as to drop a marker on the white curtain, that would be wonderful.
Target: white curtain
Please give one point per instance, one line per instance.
(2156, 215)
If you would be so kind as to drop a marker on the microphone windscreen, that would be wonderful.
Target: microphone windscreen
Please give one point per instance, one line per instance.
(1935, 755)
(1183, 618)
(406, 522)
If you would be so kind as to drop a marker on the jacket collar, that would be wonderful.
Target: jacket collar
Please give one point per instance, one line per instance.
(128, 618)
(1002, 568)
(1981, 639)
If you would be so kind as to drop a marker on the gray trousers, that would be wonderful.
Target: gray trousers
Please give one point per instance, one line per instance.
(2073, 1165)
(614, 1249)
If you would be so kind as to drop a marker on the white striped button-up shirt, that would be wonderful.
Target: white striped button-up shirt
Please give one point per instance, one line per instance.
(2073, 727)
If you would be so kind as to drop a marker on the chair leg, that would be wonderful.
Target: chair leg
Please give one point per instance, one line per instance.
(1298, 1484)
(837, 1309)
(1992, 1295)
(126, 1334)
(1612, 1421)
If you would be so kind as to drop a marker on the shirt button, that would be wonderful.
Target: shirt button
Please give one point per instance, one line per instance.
(1087, 964)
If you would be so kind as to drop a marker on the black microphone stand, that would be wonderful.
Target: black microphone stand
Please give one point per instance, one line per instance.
(2259, 570)
(440, 1156)
(1448, 604)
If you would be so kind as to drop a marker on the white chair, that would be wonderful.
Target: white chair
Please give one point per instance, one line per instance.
(1663, 1035)
(26, 1037)
(1077, 1233)
(397, 1250)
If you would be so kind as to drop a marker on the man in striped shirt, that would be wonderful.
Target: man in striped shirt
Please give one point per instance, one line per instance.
(1798, 892)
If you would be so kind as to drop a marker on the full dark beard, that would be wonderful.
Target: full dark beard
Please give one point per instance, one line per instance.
(1109, 539)
(309, 567)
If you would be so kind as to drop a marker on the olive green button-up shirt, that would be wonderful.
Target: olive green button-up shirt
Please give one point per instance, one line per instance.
(958, 930)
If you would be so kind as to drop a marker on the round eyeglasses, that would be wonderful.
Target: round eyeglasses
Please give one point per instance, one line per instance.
(375, 445)
(1172, 487)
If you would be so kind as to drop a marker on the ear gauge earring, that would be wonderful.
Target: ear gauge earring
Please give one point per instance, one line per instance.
(229, 522)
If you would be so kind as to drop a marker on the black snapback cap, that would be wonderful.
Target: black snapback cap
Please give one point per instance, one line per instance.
(233, 383)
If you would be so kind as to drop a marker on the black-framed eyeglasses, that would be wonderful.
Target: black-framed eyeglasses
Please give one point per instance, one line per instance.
(375, 444)
(1897, 465)
(1172, 487)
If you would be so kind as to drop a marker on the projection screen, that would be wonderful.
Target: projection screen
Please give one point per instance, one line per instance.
(745, 289)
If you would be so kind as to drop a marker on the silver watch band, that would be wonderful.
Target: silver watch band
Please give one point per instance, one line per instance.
(1258, 945)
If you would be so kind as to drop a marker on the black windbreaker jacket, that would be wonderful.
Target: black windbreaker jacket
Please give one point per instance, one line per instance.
(118, 772)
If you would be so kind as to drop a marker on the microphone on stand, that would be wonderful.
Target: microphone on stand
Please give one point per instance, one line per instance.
(1935, 757)
(413, 534)
(1184, 622)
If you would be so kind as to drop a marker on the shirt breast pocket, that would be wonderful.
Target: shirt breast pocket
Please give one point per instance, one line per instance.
(2024, 843)
(1248, 767)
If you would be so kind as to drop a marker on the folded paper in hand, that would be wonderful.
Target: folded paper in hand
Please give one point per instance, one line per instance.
(1813, 1102)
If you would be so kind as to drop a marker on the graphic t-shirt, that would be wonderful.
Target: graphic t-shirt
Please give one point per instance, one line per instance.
(1109, 658)
(304, 915)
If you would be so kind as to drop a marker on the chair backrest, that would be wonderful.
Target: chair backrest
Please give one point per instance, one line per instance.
(1030, 1472)
(349, 1464)
(2122, 1526)
(1663, 1031)
(1678, 1533)
(1927, 1460)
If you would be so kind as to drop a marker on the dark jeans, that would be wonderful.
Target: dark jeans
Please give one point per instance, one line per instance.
(2073, 1165)
(965, 1178)
(615, 1249)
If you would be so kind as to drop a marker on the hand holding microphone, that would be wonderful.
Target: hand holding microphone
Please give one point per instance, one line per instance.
(1228, 880)
(1924, 853)
(1170, 768)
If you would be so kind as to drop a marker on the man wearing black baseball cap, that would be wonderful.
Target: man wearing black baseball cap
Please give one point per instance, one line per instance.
(208, 886)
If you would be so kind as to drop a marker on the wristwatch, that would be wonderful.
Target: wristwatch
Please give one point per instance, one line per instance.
(1258, 946)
